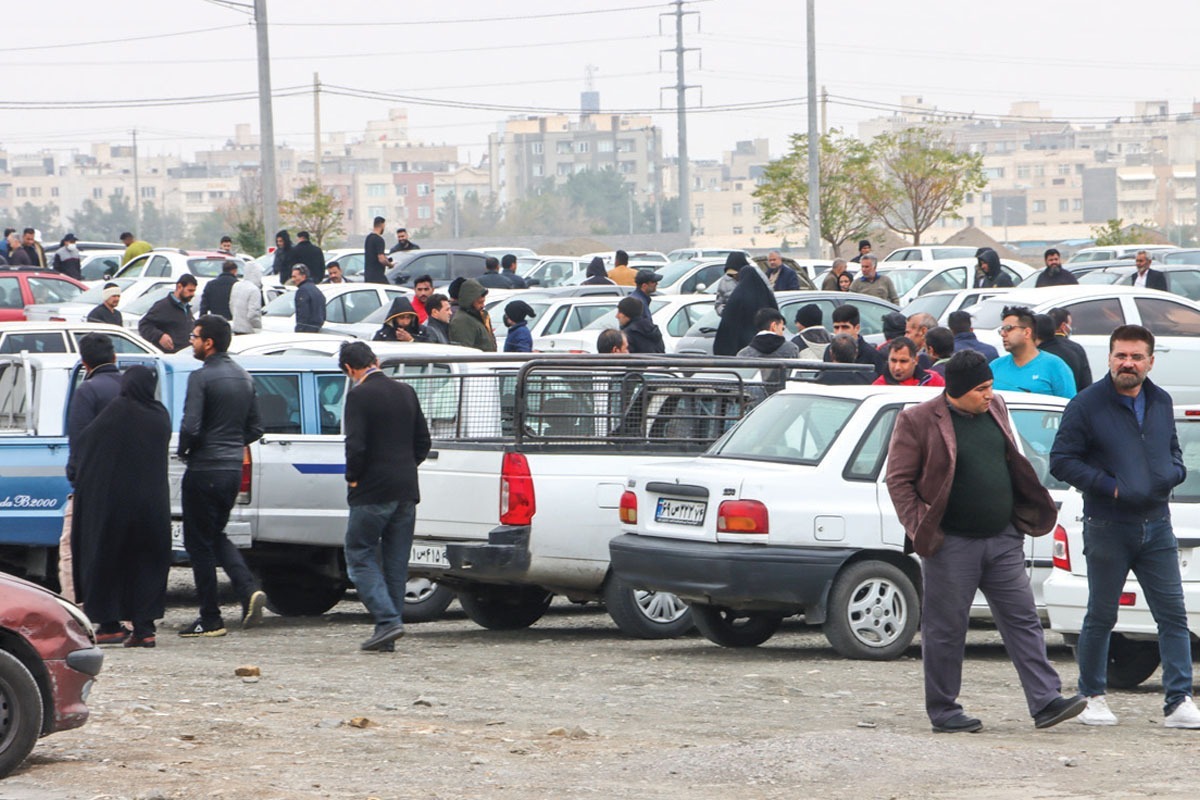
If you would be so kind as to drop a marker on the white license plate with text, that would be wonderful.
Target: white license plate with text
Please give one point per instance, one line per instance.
(680, 512)
(429, 555)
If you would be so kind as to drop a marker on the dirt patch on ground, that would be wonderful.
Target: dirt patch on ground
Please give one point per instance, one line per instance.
(570, 708)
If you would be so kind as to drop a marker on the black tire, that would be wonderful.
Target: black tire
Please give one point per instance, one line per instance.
(20, 713)
(873, 612)
(504, 608)
(730, 628)
(1130, 661)
(301, 593)
(645, 614)
(425, 600)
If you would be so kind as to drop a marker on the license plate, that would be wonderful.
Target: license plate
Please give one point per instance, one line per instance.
(429, 555)
(680, 512)
(176, 534)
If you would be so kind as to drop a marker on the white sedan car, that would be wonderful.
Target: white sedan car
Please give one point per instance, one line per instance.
(912, 281)
(63, 337)
(673, 313)
(788, 513)
(1133, 649)
(346, 303)
(1097, 310)
(173, 263)
(942, 304)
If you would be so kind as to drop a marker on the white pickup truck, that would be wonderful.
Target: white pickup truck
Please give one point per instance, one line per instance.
(520, 495)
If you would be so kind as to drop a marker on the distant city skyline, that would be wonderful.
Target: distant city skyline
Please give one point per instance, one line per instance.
(535, 54)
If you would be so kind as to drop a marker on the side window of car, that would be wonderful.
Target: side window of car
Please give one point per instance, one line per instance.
(950, 279)
(679, 323)
(1036, 429)
(335, 311)
(135, 268)
(871, 451)
(1095, 317)
(10, 293)
(351, 264)
(1167, 318)
(46, 342)
(331, 395)
(870, 316)
(555, 324)
(278, 402)
(1185, 283)
(586, 315)
(435, 265)
(160, 267)
(120, 343)
(13, 409)
(469, 265)
(53, 290)
(1011, 273)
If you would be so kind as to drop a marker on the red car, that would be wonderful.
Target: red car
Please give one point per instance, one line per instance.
(48, 662)
(21, 286)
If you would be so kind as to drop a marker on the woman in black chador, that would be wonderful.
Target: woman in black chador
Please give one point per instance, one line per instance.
(737, 326)
(121, 534)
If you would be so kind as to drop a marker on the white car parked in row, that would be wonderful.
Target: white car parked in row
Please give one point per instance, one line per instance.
(912, 281)
(673, 314)
(346, 303)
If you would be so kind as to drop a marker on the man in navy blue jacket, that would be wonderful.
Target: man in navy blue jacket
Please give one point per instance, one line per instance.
(1117, 444)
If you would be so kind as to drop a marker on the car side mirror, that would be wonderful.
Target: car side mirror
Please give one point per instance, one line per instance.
(700, 287)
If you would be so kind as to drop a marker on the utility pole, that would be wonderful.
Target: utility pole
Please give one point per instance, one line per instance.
(814, 141)
(317, 129)
(266, 122)
(137, 191)
(681, 87)
(824, 111)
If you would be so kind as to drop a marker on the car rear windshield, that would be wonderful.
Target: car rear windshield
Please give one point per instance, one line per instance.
(1189, 442)
(205, 267)
(905, 278)
(792, 428)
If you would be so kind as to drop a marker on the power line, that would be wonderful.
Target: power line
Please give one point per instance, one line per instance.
(120, 41)
(513, 18)
(147, 102)
(854, 102)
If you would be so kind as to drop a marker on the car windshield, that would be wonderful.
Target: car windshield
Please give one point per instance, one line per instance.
(674, 272)
(205, 267)
(1102, 277)
(1186, 257)
(935, 304)
(282, 306)
(904, 278)
(953, 252)
(990, 313)
(96, 293)
(794, 428)
(1189, 442)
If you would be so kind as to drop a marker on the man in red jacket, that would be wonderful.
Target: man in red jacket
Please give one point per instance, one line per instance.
(904, 366)
(967, 498)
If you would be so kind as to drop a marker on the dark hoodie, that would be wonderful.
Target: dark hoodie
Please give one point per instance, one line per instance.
(387, 331)
(282, 265)
(597, 275)
(992, 276)
(467, 327)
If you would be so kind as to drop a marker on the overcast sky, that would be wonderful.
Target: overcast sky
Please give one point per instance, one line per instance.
(1082, 59)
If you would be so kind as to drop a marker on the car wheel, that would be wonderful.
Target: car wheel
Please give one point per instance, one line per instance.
(425, 600)
(297, 593)
(20, 713)
(873, 612)
(1130, 661)
(504, 608)
(645, 614)
(730, 628)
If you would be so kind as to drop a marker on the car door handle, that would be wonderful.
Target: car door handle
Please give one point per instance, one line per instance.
(284, 442)
(1159, 348)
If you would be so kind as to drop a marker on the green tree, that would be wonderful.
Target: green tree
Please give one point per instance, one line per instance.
(1115, 232)
(44, 218)
(207, 232)
(93, 221)
(844, 167)
(316, 211)
(602, 198)
(475, 217)
(167, 229)
(919, 178)
(543, 212)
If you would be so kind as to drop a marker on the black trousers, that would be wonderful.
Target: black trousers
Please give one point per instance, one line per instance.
(208, 497)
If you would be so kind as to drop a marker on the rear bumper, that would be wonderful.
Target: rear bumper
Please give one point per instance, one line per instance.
(738, 576)
(504, 559)
(1066, 596)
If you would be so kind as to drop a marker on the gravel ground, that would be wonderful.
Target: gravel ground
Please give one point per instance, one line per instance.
(571, 708)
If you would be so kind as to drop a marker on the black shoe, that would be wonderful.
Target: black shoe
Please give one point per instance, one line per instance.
(959, 723)
(386, 647)
(201, 628)
(252, 608)
(1059, 710)
(384, 636)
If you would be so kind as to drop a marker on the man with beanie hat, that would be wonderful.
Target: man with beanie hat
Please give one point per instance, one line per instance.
(642, 334)
(811, 338)
(967, 498)
(894, 325)
(519, 339)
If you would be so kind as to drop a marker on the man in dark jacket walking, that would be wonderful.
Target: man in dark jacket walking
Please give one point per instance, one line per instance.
(386, 440)
(220, 417)
(306, 253)
(1117, 444)
(1049, 342)
(642, 334)
(1054, 274)
(310, 302)
(1146, 277)
(967, 499)
(508, 268)
(215, 297)
(491, 278)
(988, 273)
(169, 322)
(646, 281)
(437, 325)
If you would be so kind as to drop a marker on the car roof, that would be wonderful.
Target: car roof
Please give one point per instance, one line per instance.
(919, 393)
(1036, 297)
(25, 325)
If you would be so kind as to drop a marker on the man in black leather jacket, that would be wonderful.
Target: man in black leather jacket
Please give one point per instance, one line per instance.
(220, 417)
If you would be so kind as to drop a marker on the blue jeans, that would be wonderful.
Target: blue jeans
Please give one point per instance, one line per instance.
(1149, 549)
(378, 542)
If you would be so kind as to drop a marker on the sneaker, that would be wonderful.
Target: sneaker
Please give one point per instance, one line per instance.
(252, 608)
(200, 628)
(1097, 712)
(140, 641)
(113, 637)
(1185, 715)
(1059, 710)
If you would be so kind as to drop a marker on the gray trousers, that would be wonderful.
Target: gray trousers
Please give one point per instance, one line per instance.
(995, 565)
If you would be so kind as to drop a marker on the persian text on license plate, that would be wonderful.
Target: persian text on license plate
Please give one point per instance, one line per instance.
(429, 555)
(680, 512)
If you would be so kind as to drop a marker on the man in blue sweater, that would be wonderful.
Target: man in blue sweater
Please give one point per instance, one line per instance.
(1117, 444)
(1024, 368)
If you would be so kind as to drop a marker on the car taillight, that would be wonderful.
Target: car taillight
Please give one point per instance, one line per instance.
(58, 319)
(628, 510)
(244, 486)
(1062, 555)
(742, 516)
(1127, 599)
(517, 503)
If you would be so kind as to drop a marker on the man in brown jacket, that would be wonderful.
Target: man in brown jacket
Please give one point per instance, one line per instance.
(967, 498)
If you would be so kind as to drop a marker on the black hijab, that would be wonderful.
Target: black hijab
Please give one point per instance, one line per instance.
(596, 273)
(737, 328)
(121, 528)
